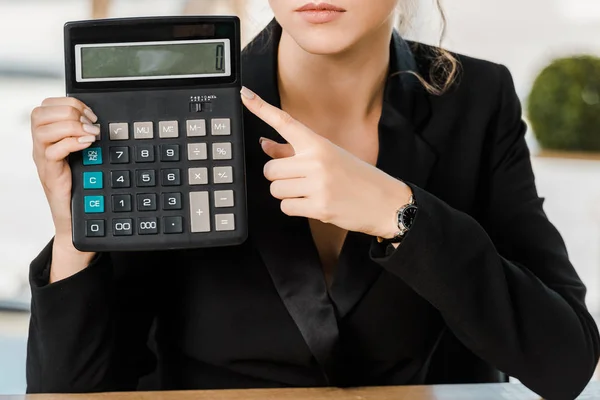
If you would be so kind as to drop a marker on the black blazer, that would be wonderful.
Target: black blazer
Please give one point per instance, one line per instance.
(481, 287)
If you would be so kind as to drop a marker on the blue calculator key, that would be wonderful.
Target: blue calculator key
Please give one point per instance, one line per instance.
(92, 180)
(94, 204)
(92, 156)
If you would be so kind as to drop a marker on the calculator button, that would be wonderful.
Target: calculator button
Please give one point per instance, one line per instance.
(92, 156)
(145, 178)
(147, 226)
(171, 177)
(221, 126)
(173, 225)
(223, 174)
(169, 152)
(92, 180)
(94, 204)
(144, 153)
(171, 201)
(168, 129)
(143, 130)
(94, 228)
(199, 212)
(196, 127)
(118, 131)
(120, 179)
(119, 155)
(121, 203)
(224, 198)
(198, 176)
(224, 222)
(146, 202)
(197, 151)
(221, 151)
(122, 227)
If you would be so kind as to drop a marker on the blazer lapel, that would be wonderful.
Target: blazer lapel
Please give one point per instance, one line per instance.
(284, 243)
(403, 154)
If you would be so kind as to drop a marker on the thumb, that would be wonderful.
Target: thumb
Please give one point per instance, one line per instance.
(276, 150)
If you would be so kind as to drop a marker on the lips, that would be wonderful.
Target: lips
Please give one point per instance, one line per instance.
(321, 7)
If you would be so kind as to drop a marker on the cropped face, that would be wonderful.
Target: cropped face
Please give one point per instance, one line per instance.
(333, 26)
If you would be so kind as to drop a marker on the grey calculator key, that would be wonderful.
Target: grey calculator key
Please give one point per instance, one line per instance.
(224, 198)
(224, 222)
(199, 212)
(197, 151)
(118, 131)
(198, 176)
(168, 129)
(143, 130)
(221, 151)
(223, 174)
(221, 126)
(196, 127)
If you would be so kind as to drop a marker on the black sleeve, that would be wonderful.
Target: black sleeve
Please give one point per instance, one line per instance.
(89, 332)
(503, 283)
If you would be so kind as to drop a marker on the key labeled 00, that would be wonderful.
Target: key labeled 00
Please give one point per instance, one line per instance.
(122, 227)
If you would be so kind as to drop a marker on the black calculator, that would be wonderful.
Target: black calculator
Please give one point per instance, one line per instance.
(168, 169)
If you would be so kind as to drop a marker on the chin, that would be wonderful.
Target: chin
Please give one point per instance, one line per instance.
(323, 39)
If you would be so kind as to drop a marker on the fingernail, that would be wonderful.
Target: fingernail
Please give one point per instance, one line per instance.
(263, 141)
(86, 139)
(247, 93)
(88, 113)
(85, 120)
(93, 129)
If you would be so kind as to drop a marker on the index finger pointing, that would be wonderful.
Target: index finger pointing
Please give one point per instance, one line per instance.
(290, 129)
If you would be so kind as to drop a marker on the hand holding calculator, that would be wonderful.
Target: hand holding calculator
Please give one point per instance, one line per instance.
(167, 171)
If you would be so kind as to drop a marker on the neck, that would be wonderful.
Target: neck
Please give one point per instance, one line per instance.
(322, 85)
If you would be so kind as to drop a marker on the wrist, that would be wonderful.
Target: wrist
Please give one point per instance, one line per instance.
(66, 259)
(398, 195)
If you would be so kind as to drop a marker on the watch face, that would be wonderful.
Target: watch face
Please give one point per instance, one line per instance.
(408, 216)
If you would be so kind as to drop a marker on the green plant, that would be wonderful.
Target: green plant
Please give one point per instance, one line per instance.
(564, 105)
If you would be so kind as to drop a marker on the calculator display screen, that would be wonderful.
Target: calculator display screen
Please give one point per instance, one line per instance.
(152, 60)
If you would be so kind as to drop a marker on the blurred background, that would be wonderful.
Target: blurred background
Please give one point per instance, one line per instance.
(550, 46)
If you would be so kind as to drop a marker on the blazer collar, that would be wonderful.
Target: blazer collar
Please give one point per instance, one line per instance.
(285, 243)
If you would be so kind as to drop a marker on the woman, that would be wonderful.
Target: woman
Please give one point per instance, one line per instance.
(330, 289)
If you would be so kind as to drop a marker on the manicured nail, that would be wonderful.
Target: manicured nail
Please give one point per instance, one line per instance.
(247, 93)
(93, 129)
(86, 139)
(91, 116)
(262, 139)
(85, 120)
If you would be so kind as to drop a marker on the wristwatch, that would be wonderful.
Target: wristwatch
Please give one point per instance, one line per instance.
(405, 217)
